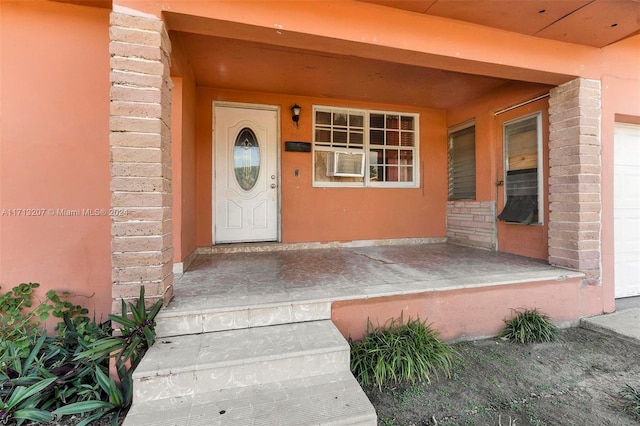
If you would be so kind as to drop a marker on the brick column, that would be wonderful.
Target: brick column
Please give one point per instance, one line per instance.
(141, 239)
(574, 182)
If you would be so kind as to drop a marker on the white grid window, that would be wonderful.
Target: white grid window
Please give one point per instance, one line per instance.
(361, 148)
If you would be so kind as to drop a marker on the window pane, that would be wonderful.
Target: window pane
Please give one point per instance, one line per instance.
(522, 144)
(376, 137)
(406, 139)
(323, 135)
(246, 159)
(356, 138)
(462, 164)
(375, 170)
(340, 137)
(393, 138)
(407, 123)
(323, 117)
(356, 120)
(393, 122)
(376, 121)
(339, 119)
(522, 195)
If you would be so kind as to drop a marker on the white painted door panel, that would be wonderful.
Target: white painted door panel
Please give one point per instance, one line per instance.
(245, 172)
(627, 210)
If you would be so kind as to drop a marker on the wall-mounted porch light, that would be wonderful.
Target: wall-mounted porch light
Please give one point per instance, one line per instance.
(295, 113)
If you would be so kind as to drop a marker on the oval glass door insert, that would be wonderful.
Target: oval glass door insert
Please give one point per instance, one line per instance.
(246, 159)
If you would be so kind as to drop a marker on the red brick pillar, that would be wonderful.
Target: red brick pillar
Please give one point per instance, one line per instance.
(141, 239)
(574, 182)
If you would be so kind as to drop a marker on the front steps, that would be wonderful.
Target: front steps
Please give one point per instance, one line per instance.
(262, 369)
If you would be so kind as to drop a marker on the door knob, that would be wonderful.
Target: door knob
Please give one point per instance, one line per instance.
(273, 185)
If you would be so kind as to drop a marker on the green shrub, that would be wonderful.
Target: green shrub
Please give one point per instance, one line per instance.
(529, 326)
(630, 400)
(21, 322)
(400, 352)
(45, 377)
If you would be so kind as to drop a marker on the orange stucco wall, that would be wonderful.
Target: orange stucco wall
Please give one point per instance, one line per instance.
(449, 311)
(334, 214)
(525, 240)
(55, 149)
(620, 102)
(183, 156)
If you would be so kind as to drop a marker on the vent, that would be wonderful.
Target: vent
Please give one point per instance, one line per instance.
(347, 164)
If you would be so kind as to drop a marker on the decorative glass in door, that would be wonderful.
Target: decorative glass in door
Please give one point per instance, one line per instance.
(246, 159)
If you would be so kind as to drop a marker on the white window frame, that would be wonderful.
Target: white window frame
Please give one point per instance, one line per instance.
(366, 149)
(540, 167)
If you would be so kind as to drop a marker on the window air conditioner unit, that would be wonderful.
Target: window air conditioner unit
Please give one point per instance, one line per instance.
(345, 164)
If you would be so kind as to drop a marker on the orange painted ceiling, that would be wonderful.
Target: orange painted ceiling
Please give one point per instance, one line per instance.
(256, 64)
(308, 68)
(594, 23)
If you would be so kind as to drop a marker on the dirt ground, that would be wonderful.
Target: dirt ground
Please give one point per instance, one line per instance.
(574, 381)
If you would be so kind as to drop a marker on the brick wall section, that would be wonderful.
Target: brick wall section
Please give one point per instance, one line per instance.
(472, 223)
(574, 177)
(140, 140)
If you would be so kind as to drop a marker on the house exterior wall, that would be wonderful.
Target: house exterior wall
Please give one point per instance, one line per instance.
(183, 160)
(620, 86)
(54, 143)
(313, 214)
(62, 163)
(471, 312)
(473, 222)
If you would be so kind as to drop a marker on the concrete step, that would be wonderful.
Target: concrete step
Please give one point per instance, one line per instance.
(201, 363)
(192, 316)
(329, 399)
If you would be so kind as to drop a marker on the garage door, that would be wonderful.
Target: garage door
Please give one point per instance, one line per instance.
(627, 209)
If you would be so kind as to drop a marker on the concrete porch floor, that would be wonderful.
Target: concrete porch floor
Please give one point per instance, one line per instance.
(271, 275)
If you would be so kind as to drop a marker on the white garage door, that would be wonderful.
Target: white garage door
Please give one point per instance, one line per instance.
(627, 209)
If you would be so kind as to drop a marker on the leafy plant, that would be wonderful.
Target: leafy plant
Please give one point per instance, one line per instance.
(135, 336)
(22, 404)
(528, 326)
(400, 351)
(630, 399)
(67, 373)
(20, 320)
(116, 404)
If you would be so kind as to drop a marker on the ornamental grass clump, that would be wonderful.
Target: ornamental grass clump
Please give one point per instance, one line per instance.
(400, 351)
(529, 326)
(630, 400)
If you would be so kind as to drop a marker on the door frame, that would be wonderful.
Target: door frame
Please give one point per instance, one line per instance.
(244, 105)
(619, 127)
(510, 236)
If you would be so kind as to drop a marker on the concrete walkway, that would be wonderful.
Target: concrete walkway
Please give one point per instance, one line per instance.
(624, 322)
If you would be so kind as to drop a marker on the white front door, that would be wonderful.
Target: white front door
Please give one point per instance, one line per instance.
(626, 209)
(245, 174)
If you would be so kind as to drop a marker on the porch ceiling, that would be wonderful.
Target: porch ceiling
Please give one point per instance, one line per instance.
(293, 62)
(596, 23)
(244, 65)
